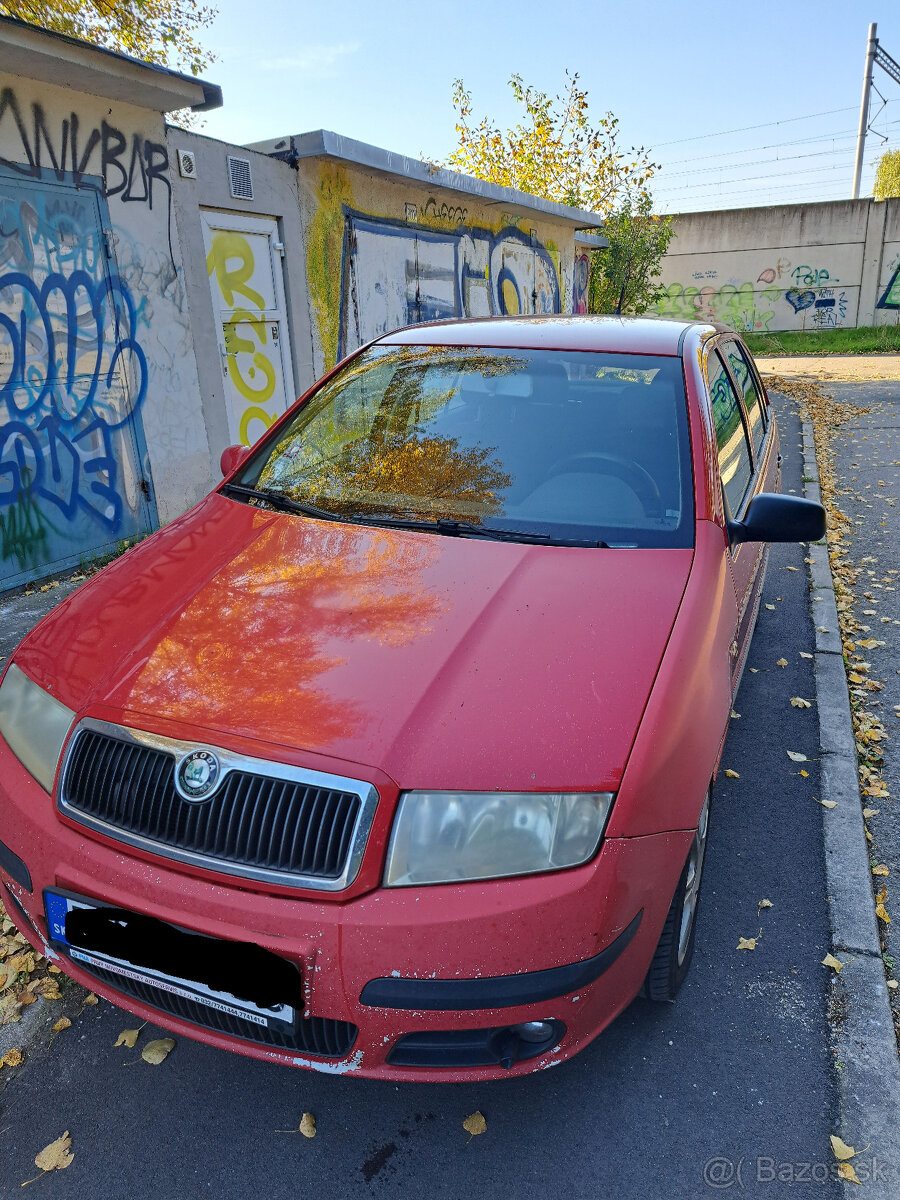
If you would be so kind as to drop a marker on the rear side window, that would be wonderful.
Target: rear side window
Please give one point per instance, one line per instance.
(740, 368)
(731, 437)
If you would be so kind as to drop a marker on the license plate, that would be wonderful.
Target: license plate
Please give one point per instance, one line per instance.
(138, 947)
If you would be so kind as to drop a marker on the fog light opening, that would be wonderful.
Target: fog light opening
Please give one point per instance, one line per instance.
(535, 1031)
(525, 1040)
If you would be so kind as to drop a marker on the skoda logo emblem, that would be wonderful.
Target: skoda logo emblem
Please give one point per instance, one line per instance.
(197, 775)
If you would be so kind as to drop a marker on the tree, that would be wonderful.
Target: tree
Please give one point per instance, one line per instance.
(887, 176)
(158, 31)
(555, 153)
(623, 275)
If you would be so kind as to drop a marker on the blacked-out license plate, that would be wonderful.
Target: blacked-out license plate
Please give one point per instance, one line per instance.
(239, 978)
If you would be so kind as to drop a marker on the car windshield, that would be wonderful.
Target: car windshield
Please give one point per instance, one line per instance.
(548, 443)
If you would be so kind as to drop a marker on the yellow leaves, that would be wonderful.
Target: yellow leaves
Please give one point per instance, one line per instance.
(871, 812)
(747, 943)
(799, 702)
(835, 963)
(732, 774)
(771, 607)
(128, 1037)
(12, 1058)
(155, 1052)
(475, 1124)
(764, 904)
(55, 1157)
(61, 1024)
(881, 869)
(805, 774)
(828, 803)
(782, 662)
(803, 654)
(307, 1125)
(880, 900)
(90, 1000)
(845, 1171)
(840, 1149)
(870, 643)
(796, 756)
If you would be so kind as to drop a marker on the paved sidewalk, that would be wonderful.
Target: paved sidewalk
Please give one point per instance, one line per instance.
(833, 366)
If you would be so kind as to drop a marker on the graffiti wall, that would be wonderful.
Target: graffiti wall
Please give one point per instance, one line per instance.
(381, 255)
(580, 280)
(95, 346)
(807, 266)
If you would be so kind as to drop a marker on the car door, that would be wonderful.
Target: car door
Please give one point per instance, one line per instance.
(742, 476)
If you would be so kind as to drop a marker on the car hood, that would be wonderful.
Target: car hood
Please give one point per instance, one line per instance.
(444, 662)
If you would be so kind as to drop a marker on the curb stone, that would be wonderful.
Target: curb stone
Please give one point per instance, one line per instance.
(864, 1041)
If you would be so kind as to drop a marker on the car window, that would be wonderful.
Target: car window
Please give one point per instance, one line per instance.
(547, 442)
(731, 436)
(740, 368)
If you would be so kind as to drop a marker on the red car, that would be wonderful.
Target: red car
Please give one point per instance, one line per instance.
(394, 755)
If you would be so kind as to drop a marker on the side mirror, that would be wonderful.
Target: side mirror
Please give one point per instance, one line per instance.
(232, 457)
(773, 518)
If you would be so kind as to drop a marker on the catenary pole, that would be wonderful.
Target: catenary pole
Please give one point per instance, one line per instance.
(864, 109)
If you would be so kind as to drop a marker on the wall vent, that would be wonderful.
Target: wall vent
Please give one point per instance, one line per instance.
(187, 164)
(239, 178)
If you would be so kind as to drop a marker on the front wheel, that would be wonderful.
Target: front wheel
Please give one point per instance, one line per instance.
(676, 944)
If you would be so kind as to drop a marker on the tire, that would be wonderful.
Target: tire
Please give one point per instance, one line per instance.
(676, 944)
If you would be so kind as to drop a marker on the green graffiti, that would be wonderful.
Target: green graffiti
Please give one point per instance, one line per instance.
(23, 533)
(741, 307)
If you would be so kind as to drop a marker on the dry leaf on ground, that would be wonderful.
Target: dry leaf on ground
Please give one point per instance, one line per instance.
(155, 1052)
(782, 662)
(746, 943)
(732, 774)
(12, 1058)
(845, 1171)
(61, 1024)
(765, 904)
(835, 963)
(841, 1150)
(128, 1037)
(881, 869)
(796, 756)
(799, 702)
(475, 1124)
(54, 1157)
(308, 1125)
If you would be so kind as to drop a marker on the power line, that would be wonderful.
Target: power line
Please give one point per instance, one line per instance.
(818, 137)
(766, 125)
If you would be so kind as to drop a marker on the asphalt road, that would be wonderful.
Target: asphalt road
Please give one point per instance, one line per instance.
(867, 463)
(736, 1074)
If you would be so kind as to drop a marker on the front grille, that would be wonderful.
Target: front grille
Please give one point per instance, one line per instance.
(255, 823)
(316, 1035)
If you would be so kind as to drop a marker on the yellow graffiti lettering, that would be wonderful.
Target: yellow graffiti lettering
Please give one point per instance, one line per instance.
(225, 248)
(255, 413)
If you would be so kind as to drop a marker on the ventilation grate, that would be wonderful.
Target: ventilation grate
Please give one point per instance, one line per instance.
(239, 178)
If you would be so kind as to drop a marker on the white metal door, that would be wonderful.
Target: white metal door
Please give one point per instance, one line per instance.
(243, 262)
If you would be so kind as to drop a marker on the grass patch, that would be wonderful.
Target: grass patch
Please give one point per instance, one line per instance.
(870, 339)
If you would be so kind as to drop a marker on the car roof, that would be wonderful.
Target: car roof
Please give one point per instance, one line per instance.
(620, 335)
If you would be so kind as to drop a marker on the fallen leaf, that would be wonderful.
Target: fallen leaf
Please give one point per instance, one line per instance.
(803, 654)
(128, 1037)
(796, 756)
(870, 643)
(308, 1125)
(771, 607)
(12, 1058)
(56, 1156)
(746, 943)
(882, 913)
(61, 1024)
(475, 1124)
(155, 1052)
(805, 774)
(89, 1000)
(782, 662)
(828, 803)
(799, 702)
(765, 904)
(881, 869)
(735, 716)
(893, 984)
(871, 812)
(792, 568)
(753, 670)
(845, 1171)
(841, 1150)
(732, 774)
(830, 961)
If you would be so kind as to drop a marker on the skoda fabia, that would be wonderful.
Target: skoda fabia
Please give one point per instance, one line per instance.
(394, 755)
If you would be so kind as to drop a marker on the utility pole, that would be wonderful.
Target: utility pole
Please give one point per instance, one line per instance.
(864, 109)
(875, 56)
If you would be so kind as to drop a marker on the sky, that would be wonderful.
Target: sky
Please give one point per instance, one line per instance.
(740, 104)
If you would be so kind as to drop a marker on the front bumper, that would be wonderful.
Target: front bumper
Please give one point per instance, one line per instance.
(387, 961)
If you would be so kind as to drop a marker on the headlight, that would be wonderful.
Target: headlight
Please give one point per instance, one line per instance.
(443, 837)
(33, 724)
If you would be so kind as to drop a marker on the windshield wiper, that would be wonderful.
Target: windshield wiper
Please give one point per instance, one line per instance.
(453, 528)
(279, 500)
